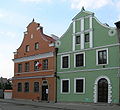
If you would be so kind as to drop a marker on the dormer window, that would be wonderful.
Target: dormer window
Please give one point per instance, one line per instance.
(27, 49)
(36, 46)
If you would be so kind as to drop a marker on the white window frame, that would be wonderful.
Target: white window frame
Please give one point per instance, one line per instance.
(83, 86)
(75, 59)
(97, 56)
(68, 85)
(68, 61)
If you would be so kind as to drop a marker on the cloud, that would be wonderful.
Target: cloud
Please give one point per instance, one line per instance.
(94, 4)
(35, 1)
(8, 34)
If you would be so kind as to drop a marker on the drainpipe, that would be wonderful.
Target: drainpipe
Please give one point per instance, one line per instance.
(56, 51)
(118, 35)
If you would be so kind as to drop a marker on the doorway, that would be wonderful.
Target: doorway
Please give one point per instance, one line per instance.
(102, 90)
(44, 91)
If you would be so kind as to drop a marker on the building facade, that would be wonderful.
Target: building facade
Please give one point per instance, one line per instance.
(88, 62)
(34, 66)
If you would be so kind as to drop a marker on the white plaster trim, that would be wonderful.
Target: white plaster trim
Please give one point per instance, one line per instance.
(90, 21)
(34, 57)
(68, 61)
(85, 31)
(97, 56)
(73, 36)
(61, 86)
(95, 89)
(83, 86)
(91, 39)
(86, 70)
(69, 52)
(32, 77)
(75, 59)
(35, 72)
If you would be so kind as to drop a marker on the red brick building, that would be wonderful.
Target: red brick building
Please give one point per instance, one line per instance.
(34, 66)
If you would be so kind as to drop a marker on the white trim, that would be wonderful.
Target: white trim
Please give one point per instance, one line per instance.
(75, 59)
(82, 34)
(32, 77)
(74, 42)
(91, 39)
(83, 86)
(68, 61)
(97, 56)
(73, 36)
(69, 52)
(86, 70)
(95, 92)
(33, 57)
(90, 21)
(35, 72)
(68, 85)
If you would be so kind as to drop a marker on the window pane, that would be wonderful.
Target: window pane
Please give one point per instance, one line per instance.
(27, 48)
(45, 64)
(87, 37)
(65, 86)
(26, 67)
(19, 68)
(79, 85)
(79, 60)
(78, 39)
(36, 45)
(65, 62)
(36, 68)
(26, 87)
(102, 57)
(36, 86)
(19, 87)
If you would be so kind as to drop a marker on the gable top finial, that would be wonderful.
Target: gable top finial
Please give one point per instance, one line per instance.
(33, 20)
(83, 9)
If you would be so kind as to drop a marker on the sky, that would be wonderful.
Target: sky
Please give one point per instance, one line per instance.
(54, 15)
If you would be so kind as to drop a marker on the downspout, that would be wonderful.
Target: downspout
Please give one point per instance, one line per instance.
(56, 51)
(118, 36)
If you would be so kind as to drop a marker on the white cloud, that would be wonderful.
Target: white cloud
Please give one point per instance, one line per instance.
(35, 1)
(8, 34)
(94, 4)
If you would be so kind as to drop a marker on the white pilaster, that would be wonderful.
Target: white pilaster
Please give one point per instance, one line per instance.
(73, 47)
(91, 32)
(82, 34)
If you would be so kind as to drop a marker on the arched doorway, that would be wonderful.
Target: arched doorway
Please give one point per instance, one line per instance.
(45, 91)
(102, 90)
(102, 83)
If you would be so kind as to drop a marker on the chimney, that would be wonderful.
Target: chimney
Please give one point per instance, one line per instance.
(118, 30)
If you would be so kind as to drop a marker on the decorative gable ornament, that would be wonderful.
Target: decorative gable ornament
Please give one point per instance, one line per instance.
(57, 43)
(111, 32)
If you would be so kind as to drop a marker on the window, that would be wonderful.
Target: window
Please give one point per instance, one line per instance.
(65, 86)
(36, 86)
(79, 60)
(45, 64)
(19, 68)
(36, 46)
(87, 37)
(36, 67)
(78, 39)
(26, 89)
(27, 49)
(102, 57)
(65, 61)
(19, 87)
(79, 85)
(26, 67)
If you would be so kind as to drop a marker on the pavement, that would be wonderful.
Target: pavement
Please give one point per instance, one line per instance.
(64, 106)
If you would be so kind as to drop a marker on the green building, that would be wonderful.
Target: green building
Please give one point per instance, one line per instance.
(88, 61)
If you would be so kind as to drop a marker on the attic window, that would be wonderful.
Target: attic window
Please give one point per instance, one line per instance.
(31, 36)
(27, 49)
(87, 37)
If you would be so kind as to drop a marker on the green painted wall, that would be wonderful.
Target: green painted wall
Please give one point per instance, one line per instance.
(101, 38)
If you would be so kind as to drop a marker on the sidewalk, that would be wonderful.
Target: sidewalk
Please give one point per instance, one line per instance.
(64, 106)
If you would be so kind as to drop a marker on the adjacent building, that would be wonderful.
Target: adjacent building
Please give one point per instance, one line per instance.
(34, 66)
(88, 61)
